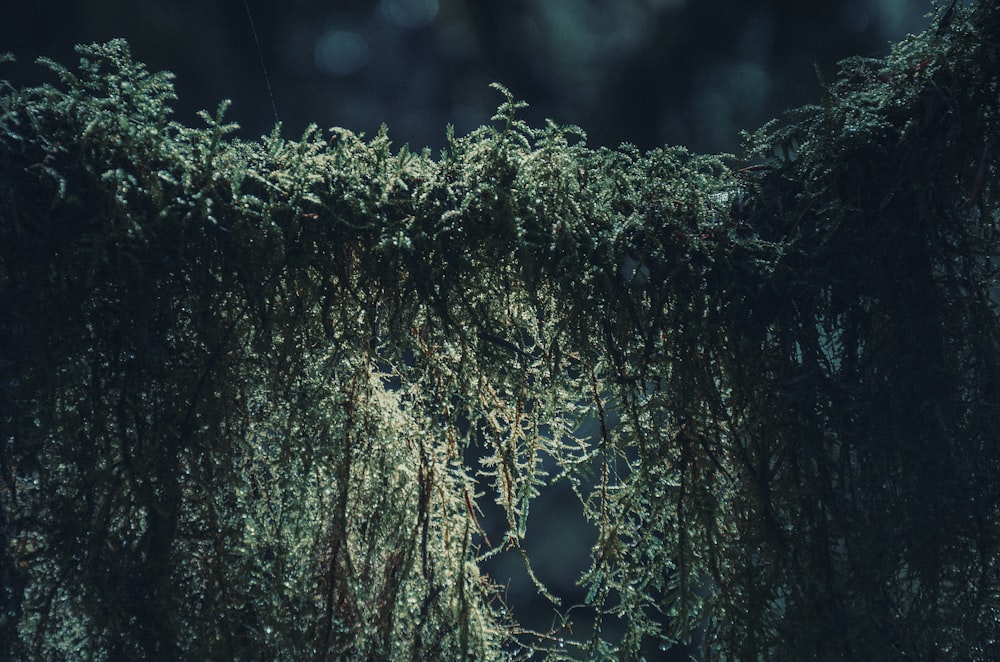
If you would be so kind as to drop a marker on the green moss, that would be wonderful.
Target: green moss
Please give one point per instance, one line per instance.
(242, 381)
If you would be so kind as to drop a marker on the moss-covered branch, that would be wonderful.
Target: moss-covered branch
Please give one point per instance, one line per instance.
(252, 392)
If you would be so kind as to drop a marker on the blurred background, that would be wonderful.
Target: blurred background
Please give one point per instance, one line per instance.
(647, 72)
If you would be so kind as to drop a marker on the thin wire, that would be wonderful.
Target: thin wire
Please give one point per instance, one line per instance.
(263, 66)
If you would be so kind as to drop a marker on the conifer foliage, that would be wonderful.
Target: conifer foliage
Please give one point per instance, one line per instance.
(252, 394)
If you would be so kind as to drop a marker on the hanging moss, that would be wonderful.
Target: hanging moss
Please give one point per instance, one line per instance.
(244, 384)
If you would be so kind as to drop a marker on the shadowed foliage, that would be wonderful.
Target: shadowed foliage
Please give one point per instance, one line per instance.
(251, 392)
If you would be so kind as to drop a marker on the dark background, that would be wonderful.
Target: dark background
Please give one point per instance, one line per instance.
(648, 72)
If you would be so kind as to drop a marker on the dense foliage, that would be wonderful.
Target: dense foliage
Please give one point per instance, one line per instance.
(252, 391)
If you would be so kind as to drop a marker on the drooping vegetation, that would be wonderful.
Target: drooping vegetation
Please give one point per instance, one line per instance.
(252, 392)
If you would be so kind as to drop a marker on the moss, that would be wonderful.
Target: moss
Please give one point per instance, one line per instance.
(242, 381)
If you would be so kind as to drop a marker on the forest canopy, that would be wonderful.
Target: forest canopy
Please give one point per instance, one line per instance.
(256, 396)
